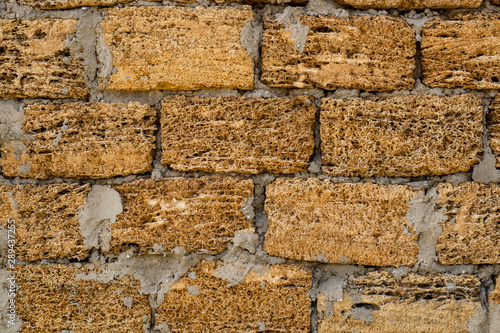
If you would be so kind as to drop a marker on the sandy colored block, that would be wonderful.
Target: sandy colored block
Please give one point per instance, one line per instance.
(178, 48)
(192, 213)
(36, 60)
(381, 302)
(471, 232)
(82, 140)
(493, 123)
(273, 299)
(46, 222)
(63, 4)
(52, 298)
(318, 220)
(462, 52)
(236, 134)
(411, 4)
(403, 136)
(368, 53)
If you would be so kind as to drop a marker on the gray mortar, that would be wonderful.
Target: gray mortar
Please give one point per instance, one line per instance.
(425, 220)
(97, 216)
(494, 315)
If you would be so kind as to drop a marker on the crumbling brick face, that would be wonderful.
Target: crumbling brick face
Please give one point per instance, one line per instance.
(411, 4)
(54, 298)
(462, 52)
(249, 166)
(195, 214)
(275, 300)
(37, 62)
(382, 302)
(470, 231)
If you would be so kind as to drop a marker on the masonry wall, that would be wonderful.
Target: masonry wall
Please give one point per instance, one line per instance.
(266, 166)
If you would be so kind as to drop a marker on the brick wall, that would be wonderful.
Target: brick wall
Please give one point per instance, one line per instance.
(266, 166)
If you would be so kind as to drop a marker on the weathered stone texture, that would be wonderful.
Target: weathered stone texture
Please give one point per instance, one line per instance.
(381, 302)
(36, 61)
(53, 299)
(471, 232)
(462, 52)
(178, 48)
(323, 221)
(192, 213)
(493, 123)
(63, 4)
(411, 4)
(369, 53)
(82, 140)
(236, 134)
(274, 300)
(46, 220)
(403, 136)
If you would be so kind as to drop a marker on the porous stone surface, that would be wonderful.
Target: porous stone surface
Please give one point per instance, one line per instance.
(37, 62)
(471, 232)
(191, 213)
(236, 134)
(178, 48)
(462, 52)
(52, 298)
(411, 4)
(64, 4)
(359, 52)
(46, 222)
(318, 220)
(82, 140)
(274, 300)
(403, 136)
(493, 123)
(382, 302)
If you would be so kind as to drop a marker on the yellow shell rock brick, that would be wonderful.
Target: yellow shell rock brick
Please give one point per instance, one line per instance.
(462, 52)
(381, 303)
(36, 62)
(275, 301)
(236, 134)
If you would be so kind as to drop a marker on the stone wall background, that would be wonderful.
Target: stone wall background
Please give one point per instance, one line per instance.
(259, 167)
